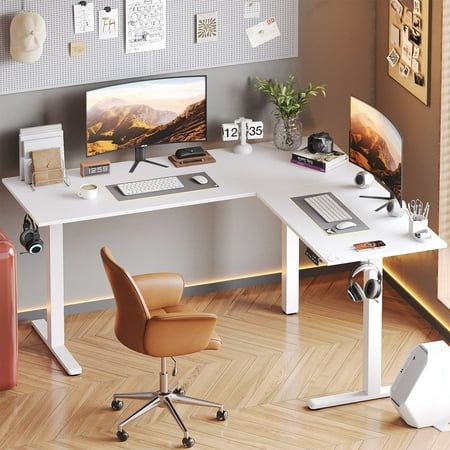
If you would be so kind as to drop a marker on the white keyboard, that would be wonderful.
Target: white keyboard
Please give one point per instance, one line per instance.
(149, 186)
(327, 208)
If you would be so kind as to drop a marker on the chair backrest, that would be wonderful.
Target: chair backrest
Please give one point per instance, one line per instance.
(132, 313)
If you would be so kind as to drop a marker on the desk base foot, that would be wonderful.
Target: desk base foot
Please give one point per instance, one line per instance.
(345, 399)
(60, 352)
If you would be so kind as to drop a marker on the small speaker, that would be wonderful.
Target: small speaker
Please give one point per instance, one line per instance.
(395, 208)
(364, 179)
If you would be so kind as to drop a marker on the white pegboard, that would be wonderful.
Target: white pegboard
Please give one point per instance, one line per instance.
(106, 59)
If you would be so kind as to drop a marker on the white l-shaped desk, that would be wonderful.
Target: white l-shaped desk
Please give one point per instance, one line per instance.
(266, 174)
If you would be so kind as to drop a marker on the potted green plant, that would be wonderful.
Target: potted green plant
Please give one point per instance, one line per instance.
(289, 103)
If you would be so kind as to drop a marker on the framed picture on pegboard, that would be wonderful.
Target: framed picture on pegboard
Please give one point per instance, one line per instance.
(409, 46)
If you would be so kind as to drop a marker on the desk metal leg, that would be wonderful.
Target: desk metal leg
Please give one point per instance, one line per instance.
(372, 388)
(51, 330)
(289, 276)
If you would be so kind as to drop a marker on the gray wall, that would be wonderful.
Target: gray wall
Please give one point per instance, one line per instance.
(218, 241)
(420, 128)
(337, 47)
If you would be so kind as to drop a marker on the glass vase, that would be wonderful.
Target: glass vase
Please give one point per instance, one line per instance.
(287, 134)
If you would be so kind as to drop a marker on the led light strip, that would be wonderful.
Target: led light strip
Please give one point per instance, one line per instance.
(436, 316)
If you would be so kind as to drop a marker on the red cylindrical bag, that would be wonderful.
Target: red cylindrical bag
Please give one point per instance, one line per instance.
(8, 314)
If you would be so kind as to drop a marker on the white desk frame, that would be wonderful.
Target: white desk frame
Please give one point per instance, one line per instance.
(238, 177)
(372, 329)
(51, 330)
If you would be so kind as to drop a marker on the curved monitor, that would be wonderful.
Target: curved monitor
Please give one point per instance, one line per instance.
(376, 145)
(168, 110)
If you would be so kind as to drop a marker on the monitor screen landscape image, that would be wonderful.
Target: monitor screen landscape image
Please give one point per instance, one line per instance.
(376, 145)
(158, 111)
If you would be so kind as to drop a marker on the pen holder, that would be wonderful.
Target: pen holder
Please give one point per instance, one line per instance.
(416, 224)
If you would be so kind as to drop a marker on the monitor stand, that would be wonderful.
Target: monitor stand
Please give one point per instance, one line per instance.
(380, 197)
(139, 156)
(376, 197)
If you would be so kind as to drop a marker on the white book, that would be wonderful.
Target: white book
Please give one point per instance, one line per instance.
(40, 129)
(31, 137)
(27, 170)
(321, 160)
(43, 144)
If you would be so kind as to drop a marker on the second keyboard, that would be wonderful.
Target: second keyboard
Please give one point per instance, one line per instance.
(327, 208)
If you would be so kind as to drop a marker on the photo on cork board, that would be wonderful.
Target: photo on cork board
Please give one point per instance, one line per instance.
(409, 36)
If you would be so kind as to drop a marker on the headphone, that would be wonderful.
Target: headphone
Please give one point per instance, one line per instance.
(30, 237)
(372, 287)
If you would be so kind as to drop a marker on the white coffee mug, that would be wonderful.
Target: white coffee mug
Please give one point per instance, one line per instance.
(88, 191)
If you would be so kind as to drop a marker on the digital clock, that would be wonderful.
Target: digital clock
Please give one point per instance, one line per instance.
(99, 167)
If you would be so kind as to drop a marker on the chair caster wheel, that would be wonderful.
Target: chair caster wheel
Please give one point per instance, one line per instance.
(188, 442)
(179, 391)
(117, 405)
(122, 436)
(222, 415)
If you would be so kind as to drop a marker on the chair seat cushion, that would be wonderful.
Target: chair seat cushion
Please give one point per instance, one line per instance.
(215, 341)
(171, 309)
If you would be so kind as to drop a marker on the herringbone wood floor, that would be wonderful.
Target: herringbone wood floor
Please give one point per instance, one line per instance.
(269, 365)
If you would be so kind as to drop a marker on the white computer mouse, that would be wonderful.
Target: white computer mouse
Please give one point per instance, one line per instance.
(345, 225)
(200, 179)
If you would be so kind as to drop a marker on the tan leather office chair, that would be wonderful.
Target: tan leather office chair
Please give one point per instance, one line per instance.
(150, 320)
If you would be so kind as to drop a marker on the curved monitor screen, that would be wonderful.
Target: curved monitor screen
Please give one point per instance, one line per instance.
(376, 145)
(168, 110)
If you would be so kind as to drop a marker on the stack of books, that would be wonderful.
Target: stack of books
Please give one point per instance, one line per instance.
(36, 139)
(323, 162)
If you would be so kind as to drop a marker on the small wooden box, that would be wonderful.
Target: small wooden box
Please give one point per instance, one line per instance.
(98, 167)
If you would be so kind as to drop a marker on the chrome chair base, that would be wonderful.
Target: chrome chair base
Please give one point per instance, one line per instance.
(164, 398)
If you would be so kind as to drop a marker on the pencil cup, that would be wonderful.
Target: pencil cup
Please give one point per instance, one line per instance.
(417, 224)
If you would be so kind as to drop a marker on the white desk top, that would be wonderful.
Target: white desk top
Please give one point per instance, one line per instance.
(266, 173)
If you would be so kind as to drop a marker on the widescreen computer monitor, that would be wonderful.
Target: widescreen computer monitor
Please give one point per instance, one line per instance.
(158, 111)
(376, 145)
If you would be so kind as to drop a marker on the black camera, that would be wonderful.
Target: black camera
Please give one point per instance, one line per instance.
(320, 143)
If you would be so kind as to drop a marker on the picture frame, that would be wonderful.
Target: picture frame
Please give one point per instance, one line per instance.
(207, 27)
(412, 18)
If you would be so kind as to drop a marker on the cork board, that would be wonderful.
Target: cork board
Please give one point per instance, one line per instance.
(409, 45)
